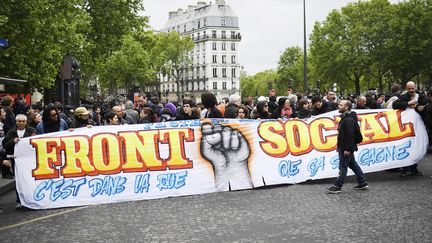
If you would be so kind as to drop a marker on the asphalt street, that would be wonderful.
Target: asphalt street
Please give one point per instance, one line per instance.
(394, 209)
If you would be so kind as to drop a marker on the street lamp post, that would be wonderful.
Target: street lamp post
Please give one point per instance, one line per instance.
(305, 81)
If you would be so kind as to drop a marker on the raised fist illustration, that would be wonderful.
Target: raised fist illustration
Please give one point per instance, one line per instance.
(228, 151)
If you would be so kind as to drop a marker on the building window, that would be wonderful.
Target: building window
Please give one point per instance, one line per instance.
(223, 46)
(214, 34)
(233, 72)
(224, 72)
(205, 22)
(197, 60)
(204, 72)
(233, 46)
(214, 73)
(232, 34)
(215, 85)
(223, 34)
(199, 24)
(223, 21)
(233, 59)
(214, 46)
(204, 35)
(214, 58)
(224, 85)
(184, 28)
(204, 61)
(224, 59)
(197, 73)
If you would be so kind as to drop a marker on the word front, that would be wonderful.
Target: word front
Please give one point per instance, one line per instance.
(107, 153)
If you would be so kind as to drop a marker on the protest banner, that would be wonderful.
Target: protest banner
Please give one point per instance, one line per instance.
(110, 164)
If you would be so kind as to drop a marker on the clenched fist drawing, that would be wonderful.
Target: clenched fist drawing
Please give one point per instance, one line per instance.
(228, 151)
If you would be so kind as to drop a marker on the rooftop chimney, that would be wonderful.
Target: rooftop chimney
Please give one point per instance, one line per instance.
(201, 4)
(191, 8)
(172, 14)
(220, 2)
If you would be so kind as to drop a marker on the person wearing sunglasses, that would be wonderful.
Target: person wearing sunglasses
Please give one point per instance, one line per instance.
(51, 122)
(262, 110)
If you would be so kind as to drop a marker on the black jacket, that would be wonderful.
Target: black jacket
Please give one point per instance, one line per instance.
(371, 103)
(231, 110)
(303, 114)
(9, 123)
(346, 132)
(184, 116)
(325, 107)
(402, 102)
(8, 142)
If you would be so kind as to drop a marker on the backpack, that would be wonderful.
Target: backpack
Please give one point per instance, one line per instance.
(358, 137)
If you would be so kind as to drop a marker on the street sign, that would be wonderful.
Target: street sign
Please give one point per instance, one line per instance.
(3, 42)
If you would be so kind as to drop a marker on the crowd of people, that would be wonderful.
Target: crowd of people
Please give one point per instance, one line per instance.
(18, 120)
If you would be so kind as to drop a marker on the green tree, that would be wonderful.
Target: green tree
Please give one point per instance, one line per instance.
(110, 22)
(174, 56)
(128, 66)
(410, 50)
(290, 69)
(349, 42)
(257, 85)
(40, 34)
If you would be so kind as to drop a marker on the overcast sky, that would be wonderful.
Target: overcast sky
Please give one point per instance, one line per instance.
(268, 27)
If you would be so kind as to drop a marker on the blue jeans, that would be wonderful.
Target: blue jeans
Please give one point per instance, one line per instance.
(344, 163)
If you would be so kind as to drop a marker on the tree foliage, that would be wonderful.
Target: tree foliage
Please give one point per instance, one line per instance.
(258, 84)
(127, 67)
(290, 69)
(371, 43)
(40, 34)
(173, 56)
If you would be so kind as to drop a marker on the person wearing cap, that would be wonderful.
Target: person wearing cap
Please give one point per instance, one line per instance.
(82, 118)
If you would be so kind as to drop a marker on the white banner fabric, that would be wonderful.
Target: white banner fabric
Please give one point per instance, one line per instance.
(110, 164)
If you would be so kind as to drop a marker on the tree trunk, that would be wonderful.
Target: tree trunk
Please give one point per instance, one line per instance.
(380, 83)
(357, 84)
(430, 80)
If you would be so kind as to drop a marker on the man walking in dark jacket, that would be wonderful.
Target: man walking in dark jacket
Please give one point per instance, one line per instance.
(346, 146)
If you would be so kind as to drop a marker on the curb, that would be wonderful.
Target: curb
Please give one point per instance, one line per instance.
(6, 185)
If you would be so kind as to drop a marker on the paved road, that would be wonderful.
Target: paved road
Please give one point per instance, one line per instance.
(394, 209)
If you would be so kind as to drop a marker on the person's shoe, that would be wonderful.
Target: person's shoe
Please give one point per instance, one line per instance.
(359, 187)
(416, 173)
(333, 190)
(404, 173)
(18, 205)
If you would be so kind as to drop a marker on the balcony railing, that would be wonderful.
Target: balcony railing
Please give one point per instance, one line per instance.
(218, 37)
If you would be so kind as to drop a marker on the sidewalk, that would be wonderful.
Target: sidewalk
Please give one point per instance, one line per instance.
(6, 185)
